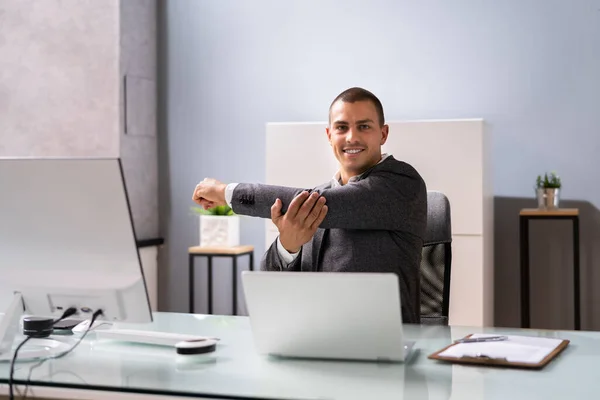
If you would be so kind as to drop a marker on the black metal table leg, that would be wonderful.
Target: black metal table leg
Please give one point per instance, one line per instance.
(191, 282)
(576, 277)
(198, 251)
(210, 299)
(524, 238)
(234, 290)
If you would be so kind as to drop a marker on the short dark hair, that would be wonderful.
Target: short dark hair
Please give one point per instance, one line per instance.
(359, 94)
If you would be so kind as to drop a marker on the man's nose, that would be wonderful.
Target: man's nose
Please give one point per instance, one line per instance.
(350, 135)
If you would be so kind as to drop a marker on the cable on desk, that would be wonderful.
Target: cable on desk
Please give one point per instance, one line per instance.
(11, 394)
(96, 314)
(68, 312)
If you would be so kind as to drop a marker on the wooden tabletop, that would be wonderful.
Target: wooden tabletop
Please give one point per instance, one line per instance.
(220, 250)
(559, 212)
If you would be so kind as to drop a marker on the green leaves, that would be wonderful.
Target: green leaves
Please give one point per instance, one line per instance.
(551, 181)
(218, 210)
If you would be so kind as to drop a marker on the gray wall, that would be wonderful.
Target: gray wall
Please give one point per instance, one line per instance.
(138, 98)
(62, 88)
(59, 74)
(530, 68)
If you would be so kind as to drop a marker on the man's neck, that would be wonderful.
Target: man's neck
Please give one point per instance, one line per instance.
(345, 176)
(340, 177)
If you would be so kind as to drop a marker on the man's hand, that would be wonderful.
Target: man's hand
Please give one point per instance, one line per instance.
(210, 193)
(298, 225)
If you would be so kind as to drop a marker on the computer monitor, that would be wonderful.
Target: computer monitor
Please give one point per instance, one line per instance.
(67, 240)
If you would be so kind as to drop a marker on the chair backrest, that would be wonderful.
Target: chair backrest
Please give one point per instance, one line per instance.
(436, 261)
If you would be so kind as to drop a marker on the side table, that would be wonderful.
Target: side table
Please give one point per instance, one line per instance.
(210, 252)
(525, 216)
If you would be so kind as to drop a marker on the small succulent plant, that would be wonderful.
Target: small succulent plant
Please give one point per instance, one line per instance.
(551, 181)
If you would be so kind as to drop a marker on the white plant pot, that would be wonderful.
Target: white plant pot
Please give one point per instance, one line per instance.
(219, 231)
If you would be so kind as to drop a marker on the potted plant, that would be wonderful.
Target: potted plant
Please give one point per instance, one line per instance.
(547, 190)
(219, 226)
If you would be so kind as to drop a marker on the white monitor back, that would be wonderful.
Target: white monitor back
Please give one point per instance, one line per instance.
(67, 238)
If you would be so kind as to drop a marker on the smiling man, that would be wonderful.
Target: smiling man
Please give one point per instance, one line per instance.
(370, 217)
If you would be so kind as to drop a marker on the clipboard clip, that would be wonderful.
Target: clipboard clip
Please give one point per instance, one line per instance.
(482, 339)
(480, 356)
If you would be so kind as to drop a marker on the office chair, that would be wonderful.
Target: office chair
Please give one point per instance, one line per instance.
(436, 261)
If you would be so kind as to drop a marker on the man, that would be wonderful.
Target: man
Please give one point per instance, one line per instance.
(370, 218)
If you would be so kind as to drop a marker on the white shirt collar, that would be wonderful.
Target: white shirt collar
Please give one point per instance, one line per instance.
(336, 180)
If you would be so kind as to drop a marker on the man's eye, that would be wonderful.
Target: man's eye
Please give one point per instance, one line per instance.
(341, 128)
(364, 127)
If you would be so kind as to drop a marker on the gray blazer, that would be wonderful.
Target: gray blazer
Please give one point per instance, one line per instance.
(374, 224)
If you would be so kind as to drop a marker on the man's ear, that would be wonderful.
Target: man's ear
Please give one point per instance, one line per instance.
(328, 135)
(385, 129)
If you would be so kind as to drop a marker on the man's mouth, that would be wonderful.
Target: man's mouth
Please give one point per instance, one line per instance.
(353, 151)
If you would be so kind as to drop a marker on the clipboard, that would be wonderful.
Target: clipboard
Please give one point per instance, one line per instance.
(551, 348)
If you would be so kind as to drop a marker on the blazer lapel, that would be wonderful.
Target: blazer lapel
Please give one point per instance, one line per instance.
(311, 252)
(313, 248)
(318, 238)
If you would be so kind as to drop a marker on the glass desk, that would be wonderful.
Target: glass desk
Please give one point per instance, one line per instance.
(234, 370)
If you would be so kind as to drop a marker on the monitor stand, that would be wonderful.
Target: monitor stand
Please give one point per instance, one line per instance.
(35, 348)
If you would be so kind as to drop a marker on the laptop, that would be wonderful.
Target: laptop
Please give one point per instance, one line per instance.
(337, 315)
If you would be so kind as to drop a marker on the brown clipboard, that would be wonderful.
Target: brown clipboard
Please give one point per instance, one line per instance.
(499, 362)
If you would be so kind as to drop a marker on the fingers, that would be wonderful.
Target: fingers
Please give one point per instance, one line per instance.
(197, 196)
(315, 211)
(209, 190)
(206, 204)
(295, 204)
(276, 210)
(307, 206)
(320, 218)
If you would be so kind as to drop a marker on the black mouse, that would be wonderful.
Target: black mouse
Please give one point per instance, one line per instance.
(197, 346)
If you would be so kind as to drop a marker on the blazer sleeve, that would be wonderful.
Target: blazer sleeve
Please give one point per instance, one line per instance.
(386, 199)
(272, 262)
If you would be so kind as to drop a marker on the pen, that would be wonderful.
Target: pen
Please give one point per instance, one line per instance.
(482, 339)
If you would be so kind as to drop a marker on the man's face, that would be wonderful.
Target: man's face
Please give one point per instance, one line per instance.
(356, 136)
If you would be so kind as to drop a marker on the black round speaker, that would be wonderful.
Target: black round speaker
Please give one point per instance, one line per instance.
(38, 327)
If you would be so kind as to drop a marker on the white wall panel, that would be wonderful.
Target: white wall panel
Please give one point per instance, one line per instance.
(452, 157)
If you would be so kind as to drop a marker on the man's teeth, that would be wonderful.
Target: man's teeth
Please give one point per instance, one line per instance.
(353, 151)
